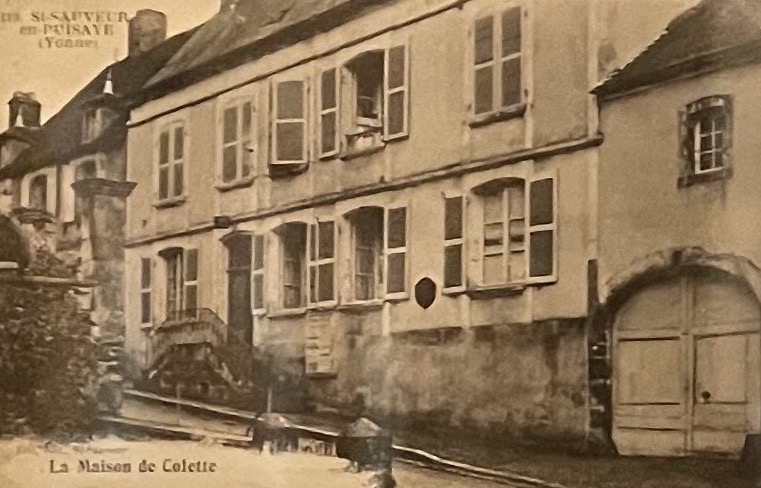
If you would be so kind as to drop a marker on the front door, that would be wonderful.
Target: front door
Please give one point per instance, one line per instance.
(239, 316)
(686, 368)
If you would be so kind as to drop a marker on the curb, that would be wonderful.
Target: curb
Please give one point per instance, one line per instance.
(408, 455)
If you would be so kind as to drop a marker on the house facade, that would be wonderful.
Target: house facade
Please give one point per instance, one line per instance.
(396, 200)
(679, 241)
(66, 178)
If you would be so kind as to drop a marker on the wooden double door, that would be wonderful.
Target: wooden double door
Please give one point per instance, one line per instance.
(686, 367)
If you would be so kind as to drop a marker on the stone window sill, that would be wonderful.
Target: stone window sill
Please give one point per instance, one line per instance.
(321, 306)
(288, 313)
(507, 113)
(170, 202)
(232, 185)
(494, 291)
(349, 154)
(362, 306)
(697, 178)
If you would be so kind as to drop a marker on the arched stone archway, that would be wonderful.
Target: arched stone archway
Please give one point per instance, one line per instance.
(684, 353)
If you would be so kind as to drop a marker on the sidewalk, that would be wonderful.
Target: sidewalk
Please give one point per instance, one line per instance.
(513, 464)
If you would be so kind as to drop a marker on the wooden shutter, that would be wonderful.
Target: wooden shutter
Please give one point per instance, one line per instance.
(191, 280)
(396, 92)
(145, 290)
(396, 250)
(542, 239)
(329, 113)
(483, 60)
(178, 158)
(163, 160)
(289, 130)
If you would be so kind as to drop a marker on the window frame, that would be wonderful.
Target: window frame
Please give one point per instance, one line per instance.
(322, 112)
(499, 109)
(690, 120)
(452, 242)
(378, 260)
(302, 255)
(172, 163)
(505, 220)
(92, 122)
(245, 146)
(313, 236)
(274, 121)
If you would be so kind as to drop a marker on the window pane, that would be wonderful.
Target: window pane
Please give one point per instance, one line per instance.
(493, 234)
(516, 202)
(396, 272)
(365, 287)
(396, 67)
(453, 266)
(163, 183)
(312, 241)
(517, 231)
(229, 163)
(541, 202)
(258, 291)
(484, 90)
(326, 245)
(453, 218)
(541, 253)
(484, 39)
(290, 141)
(290, 100)
(313, 284)
(328, 89)
(511, 31)
(178, 179)
(230, 125)
(179, 143)
(396, 113)
(164, 148)
(494, 269)
(326, 282)
(328, 128)
(145, 273)
(493, 208)
(191, 297)
(365, 261)
(258, 252)
(511, 82)
(517, 266)
(397, 227)
(145, 308)
(246, 113)
(706, 161)
(191, 265)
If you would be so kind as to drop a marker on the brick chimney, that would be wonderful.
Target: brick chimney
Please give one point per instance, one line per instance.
(226, 5)
(146, 30)
(24, 110)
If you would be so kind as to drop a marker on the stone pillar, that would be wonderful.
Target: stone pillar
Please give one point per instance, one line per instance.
(102, 215)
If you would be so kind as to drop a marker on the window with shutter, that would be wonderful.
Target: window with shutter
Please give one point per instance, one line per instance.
(368, 240)
(497, 78)
(322, 262)
(145, 290)
(329, 99)
(174, 283)
(190, 305)
(396, 92)
(293, 249)
(289, 132)
(171, 164)
(237, 150)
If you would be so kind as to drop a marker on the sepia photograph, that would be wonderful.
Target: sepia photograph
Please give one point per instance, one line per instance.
(380, 243)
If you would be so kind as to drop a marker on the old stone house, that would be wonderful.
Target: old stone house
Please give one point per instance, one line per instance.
(67, 177)
(680, 237)
(395, 199)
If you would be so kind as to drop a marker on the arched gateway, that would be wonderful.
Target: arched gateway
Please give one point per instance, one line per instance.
(686, 364)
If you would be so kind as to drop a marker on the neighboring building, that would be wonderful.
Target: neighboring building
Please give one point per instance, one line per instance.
(395, 199)
(68, 176)
(680, 237)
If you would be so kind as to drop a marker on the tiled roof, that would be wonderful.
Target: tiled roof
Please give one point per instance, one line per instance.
(248, 31)
(60, 138)
(712, 34)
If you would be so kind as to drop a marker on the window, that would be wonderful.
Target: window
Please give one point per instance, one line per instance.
(91, 122)
(453, 242)
(328, 131)
(293, 249)
(289, 126)
(171, 160)
(257, 274)
(322, 262)
(497, 62)
(380, 95)
(181, 283)
(706, 137)
(38, 192)
(236, 149)
(396, 250)
(518, 245)
(145, 290)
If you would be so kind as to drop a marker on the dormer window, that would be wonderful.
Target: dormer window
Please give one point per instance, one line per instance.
(91, 124)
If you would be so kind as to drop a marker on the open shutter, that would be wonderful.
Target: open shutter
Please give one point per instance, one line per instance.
(395, 250)
(329, 112)
(396, 93)
(289, 125)
(146, 279)
(191, 281)
(542, 225)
